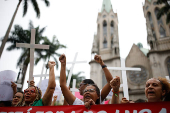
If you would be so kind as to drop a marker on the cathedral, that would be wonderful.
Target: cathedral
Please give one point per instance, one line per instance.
(153, 63)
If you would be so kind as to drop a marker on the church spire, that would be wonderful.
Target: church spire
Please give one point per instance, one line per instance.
(106, 5)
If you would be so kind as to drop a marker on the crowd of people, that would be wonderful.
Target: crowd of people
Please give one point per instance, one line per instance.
(156, 90)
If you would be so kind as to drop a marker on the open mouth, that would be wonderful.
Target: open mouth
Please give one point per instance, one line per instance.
(151, 92)
(27, 97)
(87, 97)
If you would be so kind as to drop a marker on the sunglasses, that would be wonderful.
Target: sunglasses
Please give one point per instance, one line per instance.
(89, 90)
(30, 91)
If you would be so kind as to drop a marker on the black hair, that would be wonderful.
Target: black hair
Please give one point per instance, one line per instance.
(88, 81)
(97, 91)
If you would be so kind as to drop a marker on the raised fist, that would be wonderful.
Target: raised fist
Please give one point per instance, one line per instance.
(32, 83)
(55, 97)
(115, 83)
(98, 59)
(51, 64)
(62, 59)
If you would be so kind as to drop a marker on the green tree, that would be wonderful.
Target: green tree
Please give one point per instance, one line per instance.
(164, 10)
(23, 36)
(25, 2)
(54, 46)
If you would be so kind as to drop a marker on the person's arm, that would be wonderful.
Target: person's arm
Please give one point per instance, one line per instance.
(47, 98)
(14, 88)
(53, 102)
(115, 84)
(106, 89)
(69, 97)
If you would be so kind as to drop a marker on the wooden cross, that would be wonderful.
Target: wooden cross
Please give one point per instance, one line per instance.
(124, 77)
(73, 90)
(41, 75)
(71, 70)
(32, 47)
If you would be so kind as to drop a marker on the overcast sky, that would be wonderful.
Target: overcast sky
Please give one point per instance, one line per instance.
(74, 24)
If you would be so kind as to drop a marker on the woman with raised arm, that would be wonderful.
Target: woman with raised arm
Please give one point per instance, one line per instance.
(106, 89)
(33, 94)
(91, 94)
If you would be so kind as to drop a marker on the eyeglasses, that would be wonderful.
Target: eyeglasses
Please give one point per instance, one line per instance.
(82, 84)
(30, 91)
(89, 90)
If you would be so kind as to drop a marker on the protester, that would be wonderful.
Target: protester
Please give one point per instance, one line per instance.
(54, 100)
(156, 89)
(106, 89)
(115, 84)
(91, 93)
(33, 94)
(18, 99)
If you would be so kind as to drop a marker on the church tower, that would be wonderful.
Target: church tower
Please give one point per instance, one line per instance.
(158, 37)
(105, 43)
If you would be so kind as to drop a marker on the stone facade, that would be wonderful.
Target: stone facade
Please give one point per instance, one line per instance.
(154, 62)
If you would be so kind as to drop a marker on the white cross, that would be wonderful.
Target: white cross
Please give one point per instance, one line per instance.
(41, 75)
(124, 77)
(74, 87)
(32, 46)
(71, 70)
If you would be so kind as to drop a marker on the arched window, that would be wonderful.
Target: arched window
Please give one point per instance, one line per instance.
(112, 28)
(168, 66)
(160, 24)
(111, 41)
(151, 24)
(104, 28)
(105, 43)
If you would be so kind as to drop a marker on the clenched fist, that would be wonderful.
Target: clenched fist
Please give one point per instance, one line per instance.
(62, 59)
(98, 59)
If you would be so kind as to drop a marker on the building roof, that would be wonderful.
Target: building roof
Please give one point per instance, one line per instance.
(145, 51)
(149, 0)
(106, 5)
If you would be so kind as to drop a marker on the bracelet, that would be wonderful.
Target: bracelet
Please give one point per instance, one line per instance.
(115, 92)
(103, 66)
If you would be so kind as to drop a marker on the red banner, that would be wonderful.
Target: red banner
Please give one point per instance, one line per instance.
(159, 107)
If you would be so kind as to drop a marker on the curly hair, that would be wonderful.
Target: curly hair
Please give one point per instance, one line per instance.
(38, 93)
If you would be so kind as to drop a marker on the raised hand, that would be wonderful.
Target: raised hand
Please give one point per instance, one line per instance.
(32, 83)
(98, 59)
(62, 59)
(51, 64)
(124, 100)
(55, 97)
(14, 86)
(115, 84)
(89, 103)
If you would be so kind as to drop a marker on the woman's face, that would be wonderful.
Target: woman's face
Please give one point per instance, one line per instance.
(153, 90)
(90, 93)
(17, 98)
(30, 94)
(82, 86)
